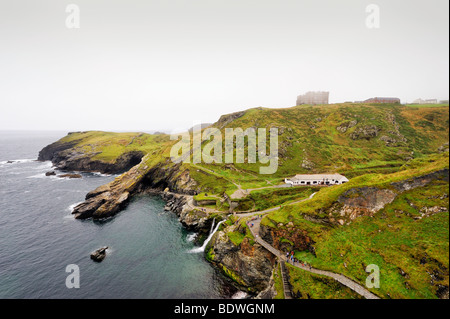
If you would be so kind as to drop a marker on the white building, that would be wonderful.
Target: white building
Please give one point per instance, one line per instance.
(428, 101)
(313, 98)
(316, 179)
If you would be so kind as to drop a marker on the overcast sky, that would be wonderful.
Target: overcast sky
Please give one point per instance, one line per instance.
(164, 65)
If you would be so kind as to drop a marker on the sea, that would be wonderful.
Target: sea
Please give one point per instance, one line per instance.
(45, 252)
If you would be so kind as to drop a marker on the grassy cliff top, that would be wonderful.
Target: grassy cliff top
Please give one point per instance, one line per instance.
(349, 138)
(108, 146)
(374, 145)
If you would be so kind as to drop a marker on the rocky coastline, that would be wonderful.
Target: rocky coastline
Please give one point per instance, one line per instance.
(245, 261)
(250, 266)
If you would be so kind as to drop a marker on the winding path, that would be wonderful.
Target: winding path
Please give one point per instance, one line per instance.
(254, 229)
(263, 212)
(340, 278)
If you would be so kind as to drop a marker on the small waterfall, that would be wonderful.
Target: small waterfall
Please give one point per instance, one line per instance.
(312, 195)
(212, 232)
(212, 226)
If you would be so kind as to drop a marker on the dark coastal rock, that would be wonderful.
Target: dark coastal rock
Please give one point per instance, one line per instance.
(50, 173)
(67, 175)
(10, 162)
(191, 218)
(249, 265)
(99, 254)
(66, 156)
(172, 176)
(79, 161)
(49, 152)
(109, 199)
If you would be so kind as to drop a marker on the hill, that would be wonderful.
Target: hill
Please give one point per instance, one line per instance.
(392, 213)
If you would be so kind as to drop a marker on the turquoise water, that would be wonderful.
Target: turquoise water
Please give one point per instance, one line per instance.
(148, 255)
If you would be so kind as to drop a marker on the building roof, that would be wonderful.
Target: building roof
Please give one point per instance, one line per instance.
(318, 177)
(383, 98)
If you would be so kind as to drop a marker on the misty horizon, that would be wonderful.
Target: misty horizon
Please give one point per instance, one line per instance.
(167, 65)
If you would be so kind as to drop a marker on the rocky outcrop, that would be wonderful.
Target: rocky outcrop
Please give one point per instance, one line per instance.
(365, 132)
(270, 292)
(69, 176)
(287, 238)
(430, 211)
(367, 198)
(99, 254)
(443, 148)
(172, 176)
(51, 151)
(228, 118)
(250, 265)
(79, 161)
(345, 126)
(389, 141)
(421, 180)
(353, 203)
(366, 201)
(66, 156)
(191, 218)
(107, 200)
(307, 164)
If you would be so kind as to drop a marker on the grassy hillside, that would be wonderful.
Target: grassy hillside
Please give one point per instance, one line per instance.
(351, 139)
(373, 145)
(408, 239)
(108, 146)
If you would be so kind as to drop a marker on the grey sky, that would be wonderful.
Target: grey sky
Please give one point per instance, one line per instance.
(160, 65)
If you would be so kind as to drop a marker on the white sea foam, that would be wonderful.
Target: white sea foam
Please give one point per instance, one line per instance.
(239, 295)
(191, 237)
(26, 160)
(69, 217)
(45, 165)
(71, 207)
(101, 174)
(17, 161)
(40, 175)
